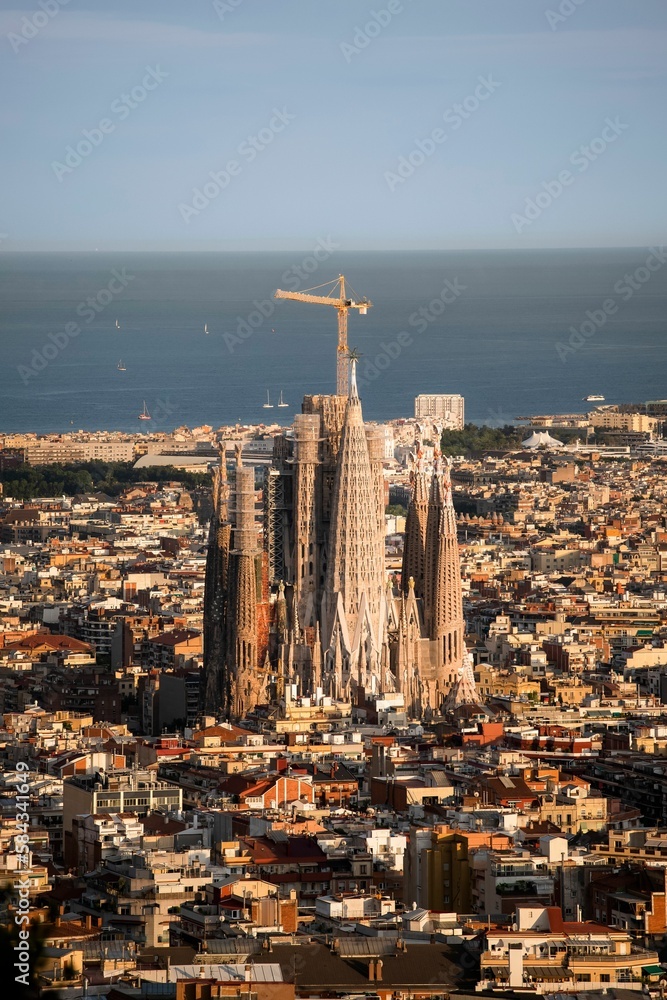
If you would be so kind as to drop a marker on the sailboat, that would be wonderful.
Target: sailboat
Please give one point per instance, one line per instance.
(206, 328)
(117, 325)
(268, 405)
(282, 401)
(121, 367)
(144, 415)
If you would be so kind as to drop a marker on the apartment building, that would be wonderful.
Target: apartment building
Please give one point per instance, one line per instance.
(544, 952)
(445, 408)
(135, 792)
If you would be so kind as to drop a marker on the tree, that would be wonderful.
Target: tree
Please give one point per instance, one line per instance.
(475, 438)
(27, 481)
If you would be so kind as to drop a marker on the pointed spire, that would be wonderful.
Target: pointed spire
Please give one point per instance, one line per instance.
(443, 605)
(403, 618)
(281, 613)
(354, 394)
(415, 529)
(464, 691)
(355, 567)
(296, 626)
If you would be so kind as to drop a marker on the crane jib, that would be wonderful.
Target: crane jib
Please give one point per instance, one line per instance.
(342, 304)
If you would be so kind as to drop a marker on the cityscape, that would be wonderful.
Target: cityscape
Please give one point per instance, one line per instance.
(347, 698)
(336, 691)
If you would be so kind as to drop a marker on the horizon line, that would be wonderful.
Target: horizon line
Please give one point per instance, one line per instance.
(308, 249)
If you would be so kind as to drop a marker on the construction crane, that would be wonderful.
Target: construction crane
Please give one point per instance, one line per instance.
(338, 298)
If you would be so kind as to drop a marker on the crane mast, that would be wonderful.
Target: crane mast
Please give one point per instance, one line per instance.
(343, 304)
(342, 356)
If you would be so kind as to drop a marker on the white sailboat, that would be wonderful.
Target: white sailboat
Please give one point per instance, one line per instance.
(268, 405)
(117, 325)
(144, 415)
(121, 367)
(282, 401)
(206, 329)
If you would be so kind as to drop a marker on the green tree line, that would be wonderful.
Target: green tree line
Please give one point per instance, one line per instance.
(29, 481)
(473, 438)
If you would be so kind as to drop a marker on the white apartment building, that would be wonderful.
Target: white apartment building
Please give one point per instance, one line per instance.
(446, 408)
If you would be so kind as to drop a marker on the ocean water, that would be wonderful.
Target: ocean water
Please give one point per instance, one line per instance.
(493, 325)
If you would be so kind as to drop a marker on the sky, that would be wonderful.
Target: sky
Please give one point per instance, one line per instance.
(378, 124)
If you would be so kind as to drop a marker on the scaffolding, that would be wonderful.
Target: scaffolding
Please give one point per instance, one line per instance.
(275, 523)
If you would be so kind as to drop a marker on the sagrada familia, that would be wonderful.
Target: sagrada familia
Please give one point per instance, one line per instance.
(306, 610)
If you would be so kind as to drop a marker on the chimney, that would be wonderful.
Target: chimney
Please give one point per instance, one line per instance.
(248, 973)
(371, 970)
(515, 965)
(378, 970)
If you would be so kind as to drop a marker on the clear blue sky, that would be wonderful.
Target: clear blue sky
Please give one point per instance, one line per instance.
(357, 109)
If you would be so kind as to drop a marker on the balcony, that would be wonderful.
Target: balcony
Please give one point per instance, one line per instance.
(498, 959)
(637, 957)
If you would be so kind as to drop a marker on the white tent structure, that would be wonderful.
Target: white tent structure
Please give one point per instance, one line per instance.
(542, 439)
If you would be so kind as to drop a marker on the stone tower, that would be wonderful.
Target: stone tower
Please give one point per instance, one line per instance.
(216, 590)
(414, 546)
(307, 550)
(234, 679)
(241, 666)
(353, 606)
(443, 602)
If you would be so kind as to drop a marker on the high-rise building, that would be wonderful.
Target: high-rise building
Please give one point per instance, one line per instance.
(437, 870)
(446, 409)
(310, 612)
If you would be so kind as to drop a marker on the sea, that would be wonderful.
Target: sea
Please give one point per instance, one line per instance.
(203, 341)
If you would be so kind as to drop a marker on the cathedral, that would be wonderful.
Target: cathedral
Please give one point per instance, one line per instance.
(305, 612)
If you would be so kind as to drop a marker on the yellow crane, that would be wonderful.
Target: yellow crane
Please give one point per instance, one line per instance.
(337, 297)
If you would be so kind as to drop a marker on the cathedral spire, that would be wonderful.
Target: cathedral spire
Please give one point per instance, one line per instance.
(354, 392)
(464, 691)
(354, 586)
(414, 546)
(442, 584)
